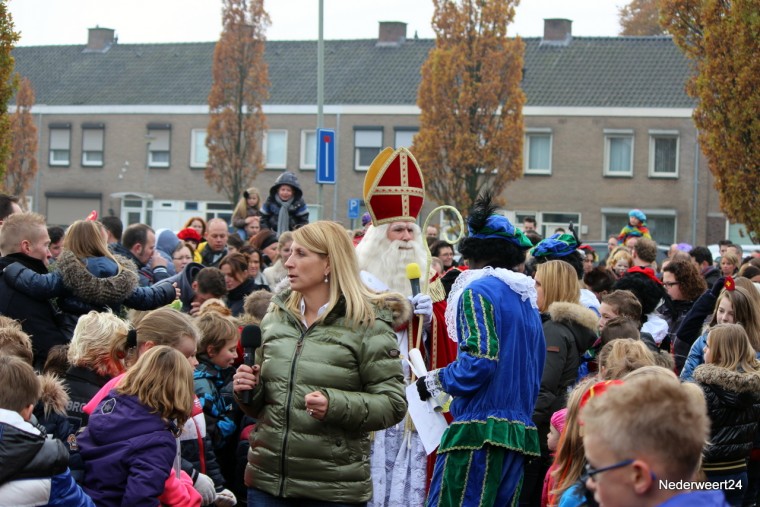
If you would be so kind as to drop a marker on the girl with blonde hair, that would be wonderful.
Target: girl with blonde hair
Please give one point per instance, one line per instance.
(328, 370)
(620, 261)
(730, 379)
(171, 328)
(130, 444)
(89, 277)
(569, 459)
(246, 210)
(735, 305)
(622, 356)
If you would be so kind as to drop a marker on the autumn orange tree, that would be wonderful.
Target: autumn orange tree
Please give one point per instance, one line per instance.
(8, 39)
(471, 124)
(22, 163)
(240, 86)
(721, 38)
(640, 17)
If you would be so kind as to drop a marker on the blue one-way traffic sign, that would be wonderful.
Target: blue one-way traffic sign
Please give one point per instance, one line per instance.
(326, 156)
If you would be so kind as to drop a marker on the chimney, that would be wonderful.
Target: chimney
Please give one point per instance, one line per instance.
(99, 40)
(392, 33)
(557, 32)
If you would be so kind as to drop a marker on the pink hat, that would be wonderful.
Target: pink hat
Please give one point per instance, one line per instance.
(558, 419)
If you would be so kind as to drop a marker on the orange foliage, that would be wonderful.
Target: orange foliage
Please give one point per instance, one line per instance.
(240, 86)
(641, 17)
(8, 39)
(721, 38)
(22, 163)
(471, 124)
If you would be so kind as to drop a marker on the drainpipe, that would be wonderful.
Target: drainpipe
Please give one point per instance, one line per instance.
(696, 194)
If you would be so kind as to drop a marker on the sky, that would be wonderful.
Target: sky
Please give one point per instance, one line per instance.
(46, 22)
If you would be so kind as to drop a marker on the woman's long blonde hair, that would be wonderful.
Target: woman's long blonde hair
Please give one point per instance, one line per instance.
(84, 238)
(172, 396)
(559, 282)
(329, 240)
(730, 348)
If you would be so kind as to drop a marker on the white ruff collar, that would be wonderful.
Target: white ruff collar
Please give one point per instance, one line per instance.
(523, 285)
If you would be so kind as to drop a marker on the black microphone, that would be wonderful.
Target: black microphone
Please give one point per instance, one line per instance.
(250, 339)
(413, 274)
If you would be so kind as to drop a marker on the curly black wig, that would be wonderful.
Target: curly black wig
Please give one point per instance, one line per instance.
(647, 291)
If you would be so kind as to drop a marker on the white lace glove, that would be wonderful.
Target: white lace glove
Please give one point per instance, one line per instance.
(423, 306)
(205, 486)
(225, 498)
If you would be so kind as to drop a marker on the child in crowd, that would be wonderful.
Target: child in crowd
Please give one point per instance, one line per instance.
(552, 441)
(246, 211)
(212, 377)
(35, 468)
(569, 461)
(730, 379)
(284, 209)
(735, 305)
(50, 407)
(130, 443)
(637, 226)
(643, 442)
(172, 328)
(89, 277)
(622, 356)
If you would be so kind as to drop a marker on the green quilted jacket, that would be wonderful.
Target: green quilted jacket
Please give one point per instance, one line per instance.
(293, 455)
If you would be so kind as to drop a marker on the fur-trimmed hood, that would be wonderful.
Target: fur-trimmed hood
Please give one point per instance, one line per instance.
(396, 306)
(574, 313)
(100, 281)
(54, 396)
(728, 380)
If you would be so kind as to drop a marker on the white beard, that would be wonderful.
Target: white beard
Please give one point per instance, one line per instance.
(387, 260)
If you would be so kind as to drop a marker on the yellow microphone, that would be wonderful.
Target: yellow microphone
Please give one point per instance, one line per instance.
(413, 273)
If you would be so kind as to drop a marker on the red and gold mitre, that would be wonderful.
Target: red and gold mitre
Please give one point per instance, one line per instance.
(394, 189)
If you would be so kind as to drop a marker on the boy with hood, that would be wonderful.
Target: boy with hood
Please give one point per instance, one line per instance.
(284, 209)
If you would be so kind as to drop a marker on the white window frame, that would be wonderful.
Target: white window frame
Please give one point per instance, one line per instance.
(663, 134)
(404, 131)
(194, 152)
(304, 163)
(86, 153)
(265, 150)
(543, 132)
(609, 135)
(59, 148)
(152, 140)
(357, 147)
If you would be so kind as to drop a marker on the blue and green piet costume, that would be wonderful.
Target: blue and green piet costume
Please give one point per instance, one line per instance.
(494, 381)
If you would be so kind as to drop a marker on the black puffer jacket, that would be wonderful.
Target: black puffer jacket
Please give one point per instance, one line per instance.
(673, 312)
(82, 384)
(570, 330)
(733, 403)
(236, 297)
(270, 211)
(39, 319)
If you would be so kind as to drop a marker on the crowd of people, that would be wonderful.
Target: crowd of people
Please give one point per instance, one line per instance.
(575, 377)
